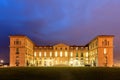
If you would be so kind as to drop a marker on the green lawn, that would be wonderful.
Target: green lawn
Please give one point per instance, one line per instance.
(59, 73)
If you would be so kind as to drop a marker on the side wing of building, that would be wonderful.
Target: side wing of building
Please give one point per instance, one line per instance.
(21, 51)
(101, 51)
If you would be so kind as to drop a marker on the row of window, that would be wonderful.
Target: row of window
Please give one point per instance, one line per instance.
(56, 54)
(105, 43)
(61, 54)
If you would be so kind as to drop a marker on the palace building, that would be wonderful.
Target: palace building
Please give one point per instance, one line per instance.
(98, 52)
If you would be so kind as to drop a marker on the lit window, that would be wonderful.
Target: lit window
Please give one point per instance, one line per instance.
(56, 54)
(71, 54)
(86, 54)
(66, 54)
(86, 59)
(40, 54)
(35, 54)
(50, 54)
(105, 51)
(76, 48)
(45, 54)
(61, 54)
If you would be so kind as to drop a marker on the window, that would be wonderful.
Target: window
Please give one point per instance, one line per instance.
(56, 54)
(108, 43)
(105, 51)
(66, 53)
(44, 63)
(17, 62)
(17, 42)
(17, 50)
(40, 62)
(39, 54)
(50, 54)
(35, 54)
(76, 54)
(102, 43)
(44, 54)
(82, 48)
(81, 58)
(17, 57)
(65, 48)
(71, 54)
(81, 54)
(61, 54)
(76, 48)
(105, 42)
(14, 42)
(86, 54)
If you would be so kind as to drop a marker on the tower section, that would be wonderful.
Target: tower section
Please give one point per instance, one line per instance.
(21, 51)
(101, 51)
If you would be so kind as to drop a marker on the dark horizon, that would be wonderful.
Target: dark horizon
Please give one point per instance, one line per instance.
(48, 22)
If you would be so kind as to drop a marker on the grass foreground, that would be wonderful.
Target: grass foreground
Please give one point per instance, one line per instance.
(59, 73)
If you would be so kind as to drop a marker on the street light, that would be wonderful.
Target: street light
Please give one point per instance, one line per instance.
(1, 62)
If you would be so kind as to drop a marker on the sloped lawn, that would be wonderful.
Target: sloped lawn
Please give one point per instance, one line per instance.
(59, 73)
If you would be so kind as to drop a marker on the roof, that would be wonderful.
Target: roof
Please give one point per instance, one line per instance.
(100, 36)
(23, 36)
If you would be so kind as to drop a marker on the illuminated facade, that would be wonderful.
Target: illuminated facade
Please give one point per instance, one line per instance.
(98, 52)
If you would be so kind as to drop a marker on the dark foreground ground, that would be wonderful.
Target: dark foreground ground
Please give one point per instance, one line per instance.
(59, 73)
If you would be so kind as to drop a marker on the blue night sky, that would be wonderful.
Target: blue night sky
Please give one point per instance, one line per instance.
(47, 22)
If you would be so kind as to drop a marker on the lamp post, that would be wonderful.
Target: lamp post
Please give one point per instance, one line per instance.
(1, 62)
